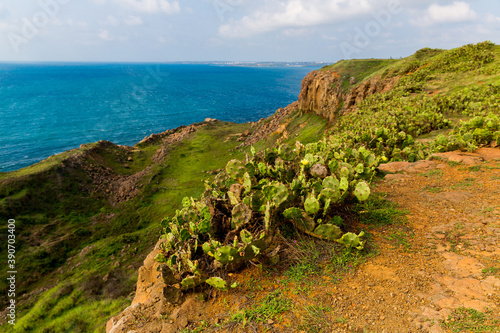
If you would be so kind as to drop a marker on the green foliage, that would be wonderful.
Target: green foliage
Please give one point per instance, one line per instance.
(218, 283)
(351, 240)
(470, 320)
(271, 306)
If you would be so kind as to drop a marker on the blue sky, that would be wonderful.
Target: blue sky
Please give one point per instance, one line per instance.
(238, 30)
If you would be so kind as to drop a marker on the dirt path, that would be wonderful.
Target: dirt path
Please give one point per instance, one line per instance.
(444, 258)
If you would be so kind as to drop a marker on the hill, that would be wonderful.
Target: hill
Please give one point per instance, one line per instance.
(87, 218)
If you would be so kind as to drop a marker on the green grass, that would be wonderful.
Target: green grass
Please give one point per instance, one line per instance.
(377, 211)
(475, 168)
(65, 309)
(359, 69)
(345, 260)
(491, 271)
(433, 189)
(316, 319)
(468, 182)
(400, 240)
(433, 174)
(308, 253)
(269, 308)
(470, 320)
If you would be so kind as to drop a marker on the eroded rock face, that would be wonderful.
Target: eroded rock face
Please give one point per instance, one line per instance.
(322, 93)
(373, 86)
(153, 299)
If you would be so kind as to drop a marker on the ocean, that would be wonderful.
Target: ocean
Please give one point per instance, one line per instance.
(48, 108)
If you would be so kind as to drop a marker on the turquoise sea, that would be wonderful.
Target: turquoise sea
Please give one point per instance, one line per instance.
(46, 109)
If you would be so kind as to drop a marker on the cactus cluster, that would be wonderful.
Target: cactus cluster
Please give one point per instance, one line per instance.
(240, 212)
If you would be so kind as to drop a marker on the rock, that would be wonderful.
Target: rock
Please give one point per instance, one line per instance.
(406, 167)
(395, 177)
(352, 81)
(129, 159)
(189, 310)
(210, 120)
(459, 157)
(394, 167)
(319, 170)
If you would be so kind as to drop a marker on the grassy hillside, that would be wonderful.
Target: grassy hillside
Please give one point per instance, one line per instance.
(79, 247)
(79, 251)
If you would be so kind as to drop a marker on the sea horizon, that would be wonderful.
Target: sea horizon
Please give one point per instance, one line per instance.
(47, 108)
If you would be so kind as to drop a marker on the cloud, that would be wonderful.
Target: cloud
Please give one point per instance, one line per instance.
(290, 14)
(104, 35)
(133, 20)
(112, 21)
(152, 6)
(458, 11)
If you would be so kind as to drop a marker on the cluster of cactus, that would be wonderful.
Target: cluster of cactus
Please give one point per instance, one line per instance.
(241, 210)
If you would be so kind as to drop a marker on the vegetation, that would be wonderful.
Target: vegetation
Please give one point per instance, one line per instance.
(248, 201)
(470, 320)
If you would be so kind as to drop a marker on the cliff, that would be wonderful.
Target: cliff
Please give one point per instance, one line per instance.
(327, 94)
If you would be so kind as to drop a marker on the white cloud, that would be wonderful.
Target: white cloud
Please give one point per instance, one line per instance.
(104, 35)
(152, 6)
(490, 18)
(458, 11)
(295, 14)
(133, 20)
(112, 21)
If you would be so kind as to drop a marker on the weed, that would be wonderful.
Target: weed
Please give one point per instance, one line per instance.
(307, 254)
(433, 174)
(453, 235)
(467, 182)
(433, 189)
(316, 319)
(453, 163)
(491, 271)
(378, 211)
(474, 168)
(470, 320)
(347, 260)
(273, 305)
(198, 329)
(400, 239)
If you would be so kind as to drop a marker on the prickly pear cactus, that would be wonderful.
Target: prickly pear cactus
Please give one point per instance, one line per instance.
(362, 191)
(241, 215)
(328, 232)
(241, 211)
(236, 170)
(218, 283)
(351, 240)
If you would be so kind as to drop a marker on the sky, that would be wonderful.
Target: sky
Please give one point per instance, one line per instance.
(238, 30)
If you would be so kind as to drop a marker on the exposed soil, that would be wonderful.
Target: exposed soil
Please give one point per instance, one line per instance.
(444, 258)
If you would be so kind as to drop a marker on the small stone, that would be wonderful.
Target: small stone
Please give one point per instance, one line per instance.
(270, 322)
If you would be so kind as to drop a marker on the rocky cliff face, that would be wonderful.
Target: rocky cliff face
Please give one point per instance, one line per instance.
(322, 93)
